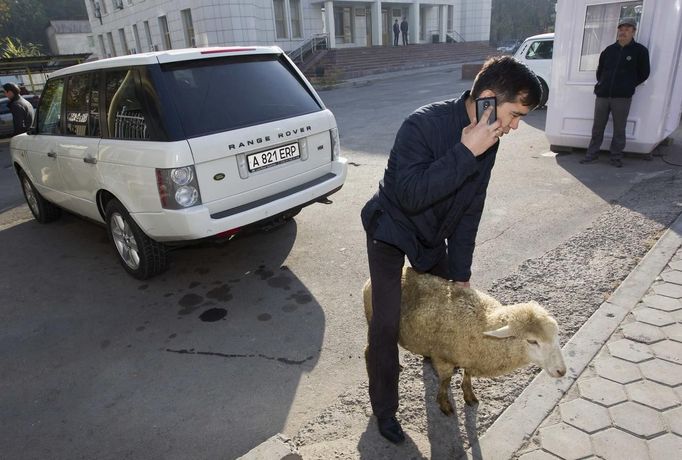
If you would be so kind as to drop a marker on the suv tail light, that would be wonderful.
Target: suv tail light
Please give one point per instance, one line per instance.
(336, 145)
(178, 187)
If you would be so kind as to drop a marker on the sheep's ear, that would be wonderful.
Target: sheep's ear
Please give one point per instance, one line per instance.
(501, 333)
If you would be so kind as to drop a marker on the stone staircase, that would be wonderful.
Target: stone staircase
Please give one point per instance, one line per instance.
(346, 63)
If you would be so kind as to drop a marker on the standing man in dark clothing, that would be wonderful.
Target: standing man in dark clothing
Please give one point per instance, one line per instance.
(622, 67)
(22, 110)
(396, 32)
(403, 29)
(429, 205)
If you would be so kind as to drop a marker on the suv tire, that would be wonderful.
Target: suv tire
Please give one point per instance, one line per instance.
(140, 255)
(43, 211)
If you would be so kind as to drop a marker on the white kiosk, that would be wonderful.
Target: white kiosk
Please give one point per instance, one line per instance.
(583, 29)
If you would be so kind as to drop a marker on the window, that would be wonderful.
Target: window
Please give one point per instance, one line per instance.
(136, 37)
(77, 105)
(601, 23)
(91, 41)
(165, 33)
(124, 42)
(295, 10)
(343, 25)
(280, 19)
(103, 4)
(50, 109)
(187, 25)
(125, 113)
(220, 94)
(540, 50)
(111, 44)
(148, 35)
(451, 13)
(102, 48)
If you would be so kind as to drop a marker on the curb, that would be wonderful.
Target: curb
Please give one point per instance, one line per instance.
(520, 420)
(278, 447)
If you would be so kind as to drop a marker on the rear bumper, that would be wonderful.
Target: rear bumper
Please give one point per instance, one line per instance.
(197, 222)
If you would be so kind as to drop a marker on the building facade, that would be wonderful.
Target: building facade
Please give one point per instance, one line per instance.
(70, 37)
(131, 26)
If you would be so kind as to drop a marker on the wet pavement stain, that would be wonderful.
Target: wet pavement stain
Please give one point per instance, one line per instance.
(264, 273)
(202, 270)
(140, 328)
(288, 308)
(264, 317)
(143, 287)
(190, 303)
(280, 281)
(236, 280)
(235, 355)
(221, 294)
(172, 336)
(213, 314)
(168, 294)
(194, 284)
(104, 344)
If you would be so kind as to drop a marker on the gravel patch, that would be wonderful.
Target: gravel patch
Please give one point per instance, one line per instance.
(570, 281)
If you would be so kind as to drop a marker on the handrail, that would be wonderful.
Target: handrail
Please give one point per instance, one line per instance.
(316, 42)
(453, 31)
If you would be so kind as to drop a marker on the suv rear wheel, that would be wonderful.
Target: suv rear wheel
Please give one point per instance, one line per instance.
(140, 255)
(42, 210)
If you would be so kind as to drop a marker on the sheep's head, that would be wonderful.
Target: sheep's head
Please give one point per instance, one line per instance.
(531, 324)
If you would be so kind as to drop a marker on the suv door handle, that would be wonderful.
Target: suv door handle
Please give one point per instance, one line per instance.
(90, 160)
(52, 154)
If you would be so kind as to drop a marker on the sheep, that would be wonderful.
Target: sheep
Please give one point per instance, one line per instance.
(463, 327)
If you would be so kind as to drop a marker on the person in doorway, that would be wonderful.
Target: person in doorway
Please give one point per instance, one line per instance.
(429, 205)
(21, 109)
(403, 28)
(623, 66)
(396, 32)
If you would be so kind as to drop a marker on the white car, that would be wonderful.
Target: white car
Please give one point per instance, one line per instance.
(536, 52)
(180, 145)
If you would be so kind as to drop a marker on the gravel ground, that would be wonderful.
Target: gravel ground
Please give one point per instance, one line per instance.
(571, 281)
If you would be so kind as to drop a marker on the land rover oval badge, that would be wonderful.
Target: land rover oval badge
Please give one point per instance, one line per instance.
(219, 176)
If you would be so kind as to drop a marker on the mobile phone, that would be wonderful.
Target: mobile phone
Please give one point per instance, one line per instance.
(482, 103)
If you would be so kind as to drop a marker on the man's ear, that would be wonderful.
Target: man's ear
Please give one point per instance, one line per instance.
(487, 93)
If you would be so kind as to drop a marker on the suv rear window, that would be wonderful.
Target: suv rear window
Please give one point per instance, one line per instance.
(220, 94)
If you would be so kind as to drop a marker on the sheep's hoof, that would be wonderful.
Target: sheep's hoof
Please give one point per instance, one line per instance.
(472, 401)
(445, 407)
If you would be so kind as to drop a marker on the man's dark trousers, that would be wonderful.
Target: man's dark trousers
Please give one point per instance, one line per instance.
(395, 38)
(619, 107)
(405, 38)
(385, 269)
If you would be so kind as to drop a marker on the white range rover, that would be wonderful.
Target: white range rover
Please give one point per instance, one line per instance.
(180, 145)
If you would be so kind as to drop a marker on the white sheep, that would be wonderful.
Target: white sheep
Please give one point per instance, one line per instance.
(462, 327)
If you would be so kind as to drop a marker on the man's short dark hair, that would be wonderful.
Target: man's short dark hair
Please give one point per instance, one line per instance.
(510, 80)
(11, 87)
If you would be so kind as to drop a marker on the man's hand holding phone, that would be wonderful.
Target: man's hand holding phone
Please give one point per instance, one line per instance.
(480, 136)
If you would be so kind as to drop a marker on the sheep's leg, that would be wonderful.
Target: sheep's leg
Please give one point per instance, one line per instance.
(467, 389)
(444, 371)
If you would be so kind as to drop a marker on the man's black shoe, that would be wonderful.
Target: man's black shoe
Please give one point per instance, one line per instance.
(588, 160)
(616, 162)
(391, 430)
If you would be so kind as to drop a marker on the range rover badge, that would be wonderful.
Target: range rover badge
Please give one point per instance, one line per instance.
(219, 176)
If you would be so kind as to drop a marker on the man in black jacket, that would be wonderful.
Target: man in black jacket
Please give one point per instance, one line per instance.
(429, 205)
(22, 110)
(404, 28)
(396, 32)
(622, 67)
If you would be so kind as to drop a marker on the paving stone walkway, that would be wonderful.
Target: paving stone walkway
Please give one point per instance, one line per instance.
(627, 404)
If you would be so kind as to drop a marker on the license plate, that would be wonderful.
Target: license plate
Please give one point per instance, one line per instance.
(274, 156)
